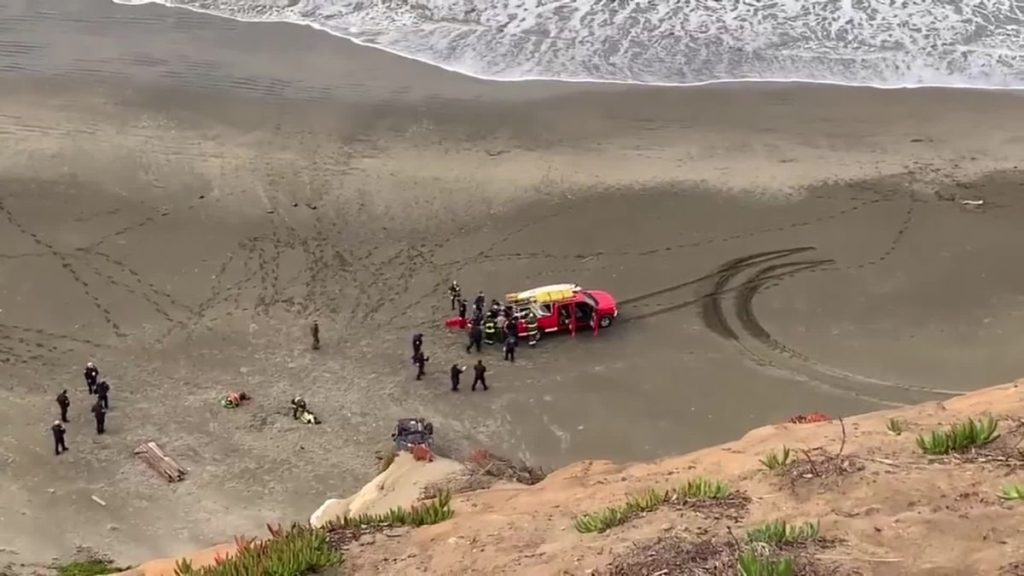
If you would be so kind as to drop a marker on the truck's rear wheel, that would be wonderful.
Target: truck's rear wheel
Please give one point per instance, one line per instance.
(605, 321)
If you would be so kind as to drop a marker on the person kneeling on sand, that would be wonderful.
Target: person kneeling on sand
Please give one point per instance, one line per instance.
(301, 413)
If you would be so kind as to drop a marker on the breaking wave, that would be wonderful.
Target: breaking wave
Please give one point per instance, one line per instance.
(885, 43)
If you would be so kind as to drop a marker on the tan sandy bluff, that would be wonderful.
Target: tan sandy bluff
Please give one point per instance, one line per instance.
(883, 506)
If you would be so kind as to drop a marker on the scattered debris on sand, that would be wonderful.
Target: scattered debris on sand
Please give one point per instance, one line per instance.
(810, 418)
(155, 458)
(483, 470)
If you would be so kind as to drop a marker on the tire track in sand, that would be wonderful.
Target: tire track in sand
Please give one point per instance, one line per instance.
(751, 333)
(755, 342)
(752, 326)
(765, 279)
(732, 267)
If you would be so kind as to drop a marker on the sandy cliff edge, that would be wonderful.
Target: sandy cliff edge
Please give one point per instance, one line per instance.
(400, 485)
(902, 513)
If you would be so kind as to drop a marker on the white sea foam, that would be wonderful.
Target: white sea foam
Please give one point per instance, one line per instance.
(886, 43)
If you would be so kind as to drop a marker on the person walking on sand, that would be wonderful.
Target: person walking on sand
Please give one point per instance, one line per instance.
(455, 293)
(456, 375)
(92, 374)
(420, 360)
(417, 344)
(100, 413)
(102, 394)
(479, 301)
(462, 308)
(476, 337)
(58, 437)
(478, 375)
(314, 331)
(64, 402)
(510, 349)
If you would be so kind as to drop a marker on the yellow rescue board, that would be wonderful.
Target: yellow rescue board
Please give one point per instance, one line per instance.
(545, 294)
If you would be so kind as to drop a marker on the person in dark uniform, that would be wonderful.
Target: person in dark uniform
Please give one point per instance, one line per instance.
(64, 402)
(455, 293)
(512, 327)
(100, 413)
(314, 330)
(462, 308)
(58, 438)
(476, 337)
(92, 374)
(417, 344)
(478, 375)
(420, 360)
(298, 407)
(510, 349)
(478, 317)
(456, 374)
(102, 394)
(479, 301)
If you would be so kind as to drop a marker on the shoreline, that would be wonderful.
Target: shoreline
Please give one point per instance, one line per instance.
(422, 72)
(591, 82)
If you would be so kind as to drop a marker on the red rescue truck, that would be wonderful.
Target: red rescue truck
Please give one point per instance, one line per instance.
(565, 307)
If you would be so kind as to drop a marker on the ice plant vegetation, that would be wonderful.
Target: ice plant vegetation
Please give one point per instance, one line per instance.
(751, 563)
(433, 512)
(301, 549)
(895, 426)
(780, 533)
(776, 461)
(294, 551)
(1012, 492)
(704, 489)
(960, 437)
(648, 501)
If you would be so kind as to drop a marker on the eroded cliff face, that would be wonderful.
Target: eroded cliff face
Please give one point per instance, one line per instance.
(883, 506)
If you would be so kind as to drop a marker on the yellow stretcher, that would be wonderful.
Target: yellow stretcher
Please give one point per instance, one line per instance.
(543, 295)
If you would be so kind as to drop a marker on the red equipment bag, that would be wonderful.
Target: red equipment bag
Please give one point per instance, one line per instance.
(455, 323)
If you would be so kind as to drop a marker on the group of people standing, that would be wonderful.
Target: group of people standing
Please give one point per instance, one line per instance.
(420, 360)
(498, 323)
(487, 325)
(99, 409)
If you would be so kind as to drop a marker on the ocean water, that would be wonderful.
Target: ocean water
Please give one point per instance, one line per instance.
(887, 43)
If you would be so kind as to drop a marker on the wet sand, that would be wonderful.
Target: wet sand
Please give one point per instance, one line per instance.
(181, 195)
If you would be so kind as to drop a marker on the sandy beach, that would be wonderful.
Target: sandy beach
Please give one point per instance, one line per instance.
(181, 195)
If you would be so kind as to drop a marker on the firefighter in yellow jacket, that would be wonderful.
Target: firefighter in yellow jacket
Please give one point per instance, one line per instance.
(490, 330)
(532, 330)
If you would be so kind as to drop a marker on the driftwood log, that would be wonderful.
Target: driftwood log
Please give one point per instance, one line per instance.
(155, 458)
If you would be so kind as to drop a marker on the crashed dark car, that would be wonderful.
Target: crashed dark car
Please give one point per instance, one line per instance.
(412, 432)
